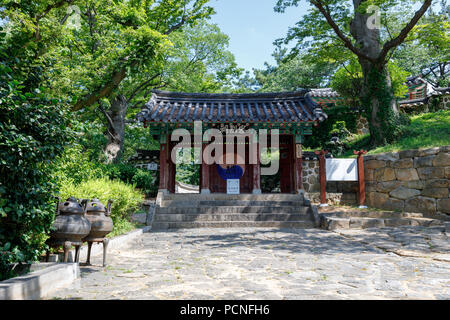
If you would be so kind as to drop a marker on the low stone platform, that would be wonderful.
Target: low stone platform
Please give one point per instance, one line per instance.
(334, 218)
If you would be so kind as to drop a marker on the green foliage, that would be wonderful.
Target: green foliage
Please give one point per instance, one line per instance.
(293, 74)
(147, 182)
(189, 174)
(33, 131)
(340, 137)
(144, 180)
(321, 135)
(126, 198)
(426, 130)
(348, 81)
(389, 126)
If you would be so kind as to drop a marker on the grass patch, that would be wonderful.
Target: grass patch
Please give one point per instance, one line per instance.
(426, 130)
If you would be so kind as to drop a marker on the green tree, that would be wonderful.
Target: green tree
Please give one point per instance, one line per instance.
(348, 81)
(115, 53)
(294, 73)
(352, 28)
(427, 51)
(34, 129)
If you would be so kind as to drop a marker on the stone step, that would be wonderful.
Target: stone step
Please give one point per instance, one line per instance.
(372, 214)
(334, 223)
(247, 197)
(230, 217)
(229, 203)
(233, 209)
(233, 224)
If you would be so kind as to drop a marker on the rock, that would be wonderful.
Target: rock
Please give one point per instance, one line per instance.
(404, 193)
(428, 152)
(415, 184)
(376, 199)
(387, 186)
(421, 204)
(435, 192)
(374, 164)
(437, 183)
(369, 174)
(443, 205)
(431, 173)
(423, 162)
(389, 156)
(442, 160)
(393, 205)
(403, 163)
(408, 154)
(385, 174)
(444, 149)
(406, 174)
(371, 186)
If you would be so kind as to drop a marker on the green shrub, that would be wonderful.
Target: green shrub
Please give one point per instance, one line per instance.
(146, 181)
(74, 166)
(126, 198)
(33, 131)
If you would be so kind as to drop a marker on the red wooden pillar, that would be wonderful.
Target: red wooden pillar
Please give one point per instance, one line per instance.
(204, 189)
(172, 170)
(257, 171)
(163, 164)
(298, 168)
(361, 180)
(323, 177)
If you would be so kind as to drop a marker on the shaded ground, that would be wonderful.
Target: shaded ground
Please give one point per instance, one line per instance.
(252, 263)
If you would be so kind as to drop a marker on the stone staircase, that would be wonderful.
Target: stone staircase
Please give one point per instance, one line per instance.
(333, 219)
(180, 211)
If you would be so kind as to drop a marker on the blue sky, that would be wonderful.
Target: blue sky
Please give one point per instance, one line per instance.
(252, 26)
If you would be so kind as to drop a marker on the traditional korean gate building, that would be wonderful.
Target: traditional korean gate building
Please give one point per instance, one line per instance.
(292, 113)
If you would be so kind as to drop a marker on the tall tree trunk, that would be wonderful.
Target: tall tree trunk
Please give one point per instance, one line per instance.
(116, 128)
(376, 93)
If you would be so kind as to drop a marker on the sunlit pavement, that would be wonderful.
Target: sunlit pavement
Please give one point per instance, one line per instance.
(249, 263)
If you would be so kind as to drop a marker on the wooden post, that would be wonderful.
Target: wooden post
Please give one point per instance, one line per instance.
(298, 165)
(163, 164)
(323, 177)
(257, 171)
(361, 180)
(204, 189)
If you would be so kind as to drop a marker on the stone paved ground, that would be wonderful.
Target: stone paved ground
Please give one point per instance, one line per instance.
(400, 263)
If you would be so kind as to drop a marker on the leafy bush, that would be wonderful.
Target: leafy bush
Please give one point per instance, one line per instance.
(74, 166)
(33, 131)
(126, 198)
(146, 181)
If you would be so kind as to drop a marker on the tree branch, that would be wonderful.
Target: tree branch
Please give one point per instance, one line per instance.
(90, 99)
(143, 85)
(347, 43)
(404, 33)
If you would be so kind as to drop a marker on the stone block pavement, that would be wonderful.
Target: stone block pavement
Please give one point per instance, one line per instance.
(251, 263)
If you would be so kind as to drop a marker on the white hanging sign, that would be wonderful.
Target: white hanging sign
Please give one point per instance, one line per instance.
(342, 169)
(152, 166)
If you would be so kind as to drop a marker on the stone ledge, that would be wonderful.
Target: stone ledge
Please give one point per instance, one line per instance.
(40, 283)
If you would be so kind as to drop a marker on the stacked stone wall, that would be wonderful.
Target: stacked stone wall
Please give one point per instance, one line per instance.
(409, 181)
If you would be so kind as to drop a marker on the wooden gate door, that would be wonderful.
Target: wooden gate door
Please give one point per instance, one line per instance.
(286, 164)
(219, 185)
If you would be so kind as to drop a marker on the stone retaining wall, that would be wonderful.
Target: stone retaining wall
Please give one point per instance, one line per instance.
(411, 180)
